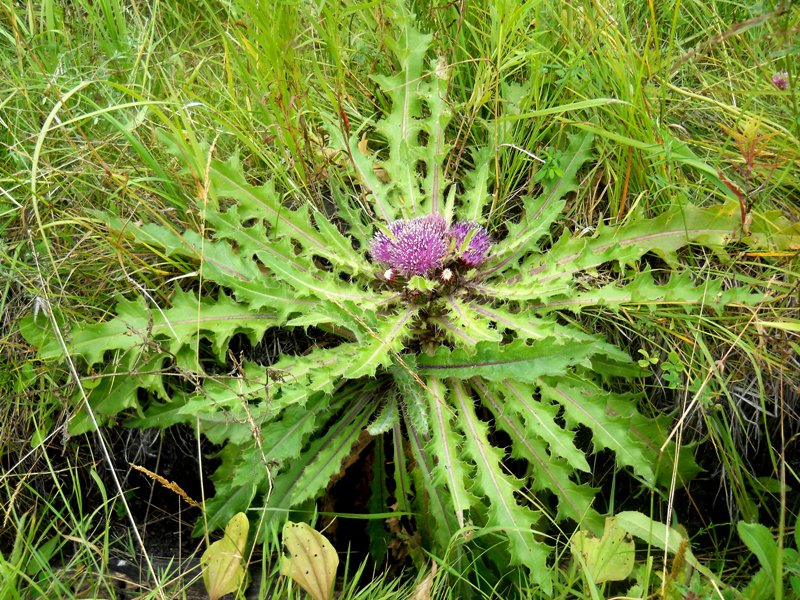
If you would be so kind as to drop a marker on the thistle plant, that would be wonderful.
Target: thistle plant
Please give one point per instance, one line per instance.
(456, 343)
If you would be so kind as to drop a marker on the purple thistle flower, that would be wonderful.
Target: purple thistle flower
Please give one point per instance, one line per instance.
(780, 80)
(419, 246)
(475, 252)
(415, 247)
(380, 248)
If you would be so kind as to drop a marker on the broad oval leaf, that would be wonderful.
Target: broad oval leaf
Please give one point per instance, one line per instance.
(760, 541)
(223, 561)
(312, 561)
(607, 558)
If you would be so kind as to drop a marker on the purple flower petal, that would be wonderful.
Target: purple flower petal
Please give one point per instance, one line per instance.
(480, 242)
(380, 247)
(419, 246)
(780, 80)
(415, 247)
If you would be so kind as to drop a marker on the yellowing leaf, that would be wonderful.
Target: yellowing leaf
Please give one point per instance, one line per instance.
(609, 558)
(312, 561)
(423, 589)
(222, 562)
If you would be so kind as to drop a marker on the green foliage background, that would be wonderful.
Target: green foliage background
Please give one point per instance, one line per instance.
(241, 202)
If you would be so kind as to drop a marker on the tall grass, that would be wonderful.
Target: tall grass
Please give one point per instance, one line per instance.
(679, 96)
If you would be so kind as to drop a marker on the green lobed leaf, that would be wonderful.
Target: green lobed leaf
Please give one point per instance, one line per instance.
(386, 418)
(249, 461)
(417, 111)
(518, 361)
(220, 263)
(434, 513)
(465, 325)
(264, 205)
(642, 291)
(301, 274)
(539, 417)
(161, 414)
(550, 473)
(492, 481)
(550, 276)
(350, 208)
(526, 325)
(227, 502)
(380, 350)
(279, 254)
(587, 404)
(116, 389)
(377, 192)
(249, 382)
(267, 234)
(140, 343)
(650, 433)
(313, 469)
(412, 394)
(449, 471)
(281, 440)
(345, 318)
(664, 235)
(406, 179)
(529, 327)
(339, 247)
(322, 370)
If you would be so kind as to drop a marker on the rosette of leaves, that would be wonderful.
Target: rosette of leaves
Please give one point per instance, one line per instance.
(451, 351)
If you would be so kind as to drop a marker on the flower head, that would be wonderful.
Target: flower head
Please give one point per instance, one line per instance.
(414, 247)
(479, 242)
(780, 80)
(419, 246)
